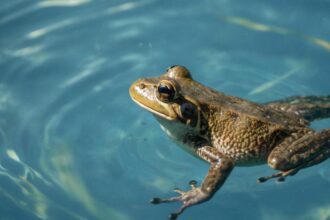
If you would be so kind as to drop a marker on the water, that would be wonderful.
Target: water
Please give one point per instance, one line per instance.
(74, 146)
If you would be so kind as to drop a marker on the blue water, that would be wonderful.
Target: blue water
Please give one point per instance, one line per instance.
(74, 146)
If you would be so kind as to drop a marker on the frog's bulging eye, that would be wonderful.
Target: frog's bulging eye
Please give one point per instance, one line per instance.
(171, 67)
(166, 92)
(177, 72)
(187, 110)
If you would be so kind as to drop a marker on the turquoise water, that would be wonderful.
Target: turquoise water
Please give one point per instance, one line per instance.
(74, 146)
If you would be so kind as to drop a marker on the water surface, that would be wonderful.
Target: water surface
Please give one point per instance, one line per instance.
(74, 146)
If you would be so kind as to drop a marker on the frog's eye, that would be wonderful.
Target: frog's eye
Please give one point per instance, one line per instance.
(177, 72)
(166, 92)
(187, 110)
(171, 67)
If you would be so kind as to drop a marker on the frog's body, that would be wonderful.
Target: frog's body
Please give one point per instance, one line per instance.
(228, 131)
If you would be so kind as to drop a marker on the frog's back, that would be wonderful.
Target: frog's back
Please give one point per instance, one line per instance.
(222, 102)
(261, 113)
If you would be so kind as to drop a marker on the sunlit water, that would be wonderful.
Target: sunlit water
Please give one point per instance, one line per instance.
(74, 146)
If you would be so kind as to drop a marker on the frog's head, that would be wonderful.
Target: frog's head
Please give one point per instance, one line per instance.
(170, 97)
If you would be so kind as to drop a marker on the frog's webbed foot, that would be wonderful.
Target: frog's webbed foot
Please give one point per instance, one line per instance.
(279, 175)
(188, 198)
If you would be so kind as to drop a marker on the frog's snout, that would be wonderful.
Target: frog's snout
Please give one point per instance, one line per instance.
(139, 90)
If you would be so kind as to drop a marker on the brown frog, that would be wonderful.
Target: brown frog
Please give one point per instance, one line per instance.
(227, 131)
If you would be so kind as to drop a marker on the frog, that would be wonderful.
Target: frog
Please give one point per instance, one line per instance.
(227, 131)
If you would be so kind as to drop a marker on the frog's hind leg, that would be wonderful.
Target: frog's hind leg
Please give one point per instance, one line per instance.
(308, 107)
(293, 155)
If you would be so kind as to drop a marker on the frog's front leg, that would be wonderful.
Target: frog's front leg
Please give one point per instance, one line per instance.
(295, 154)
(220, 169)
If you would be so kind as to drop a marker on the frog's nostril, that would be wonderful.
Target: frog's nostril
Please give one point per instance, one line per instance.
(142, 86)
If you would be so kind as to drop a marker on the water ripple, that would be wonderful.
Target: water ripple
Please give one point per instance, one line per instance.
(72, 143)
(62, 3)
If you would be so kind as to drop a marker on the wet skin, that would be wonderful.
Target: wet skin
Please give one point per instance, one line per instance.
(227, 131)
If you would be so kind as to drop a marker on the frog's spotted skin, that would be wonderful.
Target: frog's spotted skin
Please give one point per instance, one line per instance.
(227, 131)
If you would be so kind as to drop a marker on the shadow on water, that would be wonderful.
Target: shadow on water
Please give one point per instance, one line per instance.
(73, 145)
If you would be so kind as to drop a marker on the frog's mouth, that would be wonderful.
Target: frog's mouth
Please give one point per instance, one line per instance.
(143, 93)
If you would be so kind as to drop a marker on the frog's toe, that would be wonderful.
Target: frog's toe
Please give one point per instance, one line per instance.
(280, 175)
(177, 190)
(266, 178)
(182, 193)
(187, 198)
(193, 184)
(280, 179)
(157, 201)
(173, 216)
